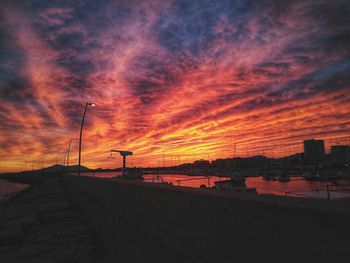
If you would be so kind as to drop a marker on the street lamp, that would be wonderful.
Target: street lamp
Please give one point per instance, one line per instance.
(81, 131)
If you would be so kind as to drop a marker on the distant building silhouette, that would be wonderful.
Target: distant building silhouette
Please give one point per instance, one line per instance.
(340, 154)
(201, 162)
(314, 150)
(254, 161)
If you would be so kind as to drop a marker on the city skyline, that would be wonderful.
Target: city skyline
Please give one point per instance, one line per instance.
(169, 78)
(177, 160)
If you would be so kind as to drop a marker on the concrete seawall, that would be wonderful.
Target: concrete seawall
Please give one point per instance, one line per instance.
(138, 222)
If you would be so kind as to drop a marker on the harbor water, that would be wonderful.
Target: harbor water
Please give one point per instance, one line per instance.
(297, 186)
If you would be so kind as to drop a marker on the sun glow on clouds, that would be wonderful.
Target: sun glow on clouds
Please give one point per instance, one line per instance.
(171, 79)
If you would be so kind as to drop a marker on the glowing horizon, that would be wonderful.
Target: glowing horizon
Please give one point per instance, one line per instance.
(171, 78)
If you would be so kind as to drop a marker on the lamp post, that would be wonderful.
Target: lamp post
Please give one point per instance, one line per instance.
(81, 131)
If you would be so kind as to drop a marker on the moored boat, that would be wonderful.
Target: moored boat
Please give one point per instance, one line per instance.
(235, 184)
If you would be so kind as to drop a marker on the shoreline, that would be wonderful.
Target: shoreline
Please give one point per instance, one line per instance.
(15, 192)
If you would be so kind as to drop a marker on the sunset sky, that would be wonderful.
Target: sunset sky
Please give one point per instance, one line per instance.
(179, 79)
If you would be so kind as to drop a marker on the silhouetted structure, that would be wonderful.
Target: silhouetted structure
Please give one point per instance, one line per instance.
(254, 161)
(340, 154)
(124, 154)
(314, 150)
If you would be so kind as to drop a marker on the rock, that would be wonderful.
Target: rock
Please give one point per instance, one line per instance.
(40, 236)
(8, 249)
(41, 226)
(19, 212)
(35, 195)
(84, 239)
(68, 227)
(44, 253)
(57, 234)
(57, 217)
(84, 254)
(63, 253)
(24, 223)
(11, 235)
(31, 250)
(55, 207)
(8, 258)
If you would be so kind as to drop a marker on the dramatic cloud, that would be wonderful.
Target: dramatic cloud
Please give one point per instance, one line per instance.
(171, 79)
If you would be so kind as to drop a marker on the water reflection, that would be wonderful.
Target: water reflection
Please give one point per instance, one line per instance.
(296, 183)
(183, 180)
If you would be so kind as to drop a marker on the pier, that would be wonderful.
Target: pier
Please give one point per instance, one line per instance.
(144, 222)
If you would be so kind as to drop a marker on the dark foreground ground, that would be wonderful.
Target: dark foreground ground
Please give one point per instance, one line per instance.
(56, 219)
(42, 225)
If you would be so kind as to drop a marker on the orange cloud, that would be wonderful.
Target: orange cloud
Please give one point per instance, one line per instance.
(170, 81)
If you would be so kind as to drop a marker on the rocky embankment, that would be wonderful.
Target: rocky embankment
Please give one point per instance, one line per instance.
(41, 225)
